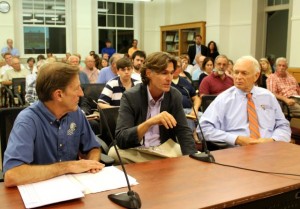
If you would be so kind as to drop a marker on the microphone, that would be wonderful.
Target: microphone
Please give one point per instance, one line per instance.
(128, 199)
(204, 156)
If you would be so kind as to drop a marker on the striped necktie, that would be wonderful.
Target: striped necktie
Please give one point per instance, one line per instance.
(252, 118)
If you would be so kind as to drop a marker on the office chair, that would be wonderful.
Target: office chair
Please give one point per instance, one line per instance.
(92, 90)
(17, 91)
(205, 102)
(7, 118)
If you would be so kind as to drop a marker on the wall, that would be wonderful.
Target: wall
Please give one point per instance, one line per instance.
(7, 26)
(231, 23)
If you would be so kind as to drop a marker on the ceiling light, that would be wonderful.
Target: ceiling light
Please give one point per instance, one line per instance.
(102, 10)
(45, 15)
(33, 21)
(59, 7)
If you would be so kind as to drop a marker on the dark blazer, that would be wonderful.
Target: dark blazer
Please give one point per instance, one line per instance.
(192, 52)
(133, 111)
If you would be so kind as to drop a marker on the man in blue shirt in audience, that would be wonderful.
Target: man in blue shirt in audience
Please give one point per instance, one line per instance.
(49, 136)
(109, 72)
(226, 118)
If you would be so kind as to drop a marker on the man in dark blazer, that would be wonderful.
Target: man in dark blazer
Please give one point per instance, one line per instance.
(151, 115)
(197, 48)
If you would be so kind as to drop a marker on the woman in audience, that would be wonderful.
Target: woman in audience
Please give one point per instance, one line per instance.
(186, 67)
(266, 70)
(207, 67)
(212, 50)
(229, 70)
(31, 65)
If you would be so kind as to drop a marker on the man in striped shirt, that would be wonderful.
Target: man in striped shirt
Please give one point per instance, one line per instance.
(113, 90)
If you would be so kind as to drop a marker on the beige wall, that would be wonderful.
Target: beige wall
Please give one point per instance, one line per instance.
(235, 25)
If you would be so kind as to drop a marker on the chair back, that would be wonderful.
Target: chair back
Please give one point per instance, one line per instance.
(18, 88)
(206, 100)
(92, 90)
(111, 115)
(7, 119)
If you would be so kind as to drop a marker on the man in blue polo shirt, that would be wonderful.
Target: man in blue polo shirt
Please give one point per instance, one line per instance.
(49, 136)
(108, 49)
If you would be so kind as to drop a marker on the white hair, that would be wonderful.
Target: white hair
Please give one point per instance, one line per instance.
(254, 62)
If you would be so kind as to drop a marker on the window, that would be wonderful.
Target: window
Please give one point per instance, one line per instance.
(115, 22)
(44, 26)
(277, 2)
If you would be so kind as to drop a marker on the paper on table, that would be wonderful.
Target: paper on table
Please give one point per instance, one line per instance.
(107, 179)
(72, 186)
(50, 191)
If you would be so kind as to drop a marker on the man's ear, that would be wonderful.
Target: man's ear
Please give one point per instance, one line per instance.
(148, 73)
(57, 95)
(257, 76)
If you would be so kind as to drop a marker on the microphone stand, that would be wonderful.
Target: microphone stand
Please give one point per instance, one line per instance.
(204, 156)
(128, 199)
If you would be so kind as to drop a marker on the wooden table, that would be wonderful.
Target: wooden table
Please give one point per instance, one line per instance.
(186, 183)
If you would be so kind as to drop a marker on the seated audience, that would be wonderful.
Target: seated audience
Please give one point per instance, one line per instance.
(109, 72)
(284, 86)
(49, 136)
(266, 70)
(138, 59)
(197, 68)
(217, 81)
(190, 100)
(74, 61)
(229, 69)
(207, 66)
(91, 71)
(245, 114)
(151, 115)
(113, 90)
(15, 72)
(7, 58)
(31, 67)
(186, 66)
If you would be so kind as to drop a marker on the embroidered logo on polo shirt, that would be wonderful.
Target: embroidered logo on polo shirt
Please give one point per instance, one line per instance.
(71, 129)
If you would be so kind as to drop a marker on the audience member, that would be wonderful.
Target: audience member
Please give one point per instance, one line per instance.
(31, 95)
(40, 57)
(133, 48)
(38, 149)
(271, 58)
(31, 67)
(227, 117)
(207, 66)
(217, 81)
(195, 49)
(229, 69)
(113, 90)
(266, 70)
(10, 49)
(108, 49)
(105, 56)
(189, 97)
(186, 66)
(284, 86)
(138, 58)
(7, 58)
(74, 61)
(212, 50)
(197, 71)
(109, 72)
(151, 115)
(104, 63)
(91, 71)
(15, 72)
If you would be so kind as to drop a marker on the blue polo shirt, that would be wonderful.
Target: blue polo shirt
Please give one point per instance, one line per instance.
(38, 138)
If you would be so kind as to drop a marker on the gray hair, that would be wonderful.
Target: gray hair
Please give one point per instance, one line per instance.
(281, 59)
(254, 62)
